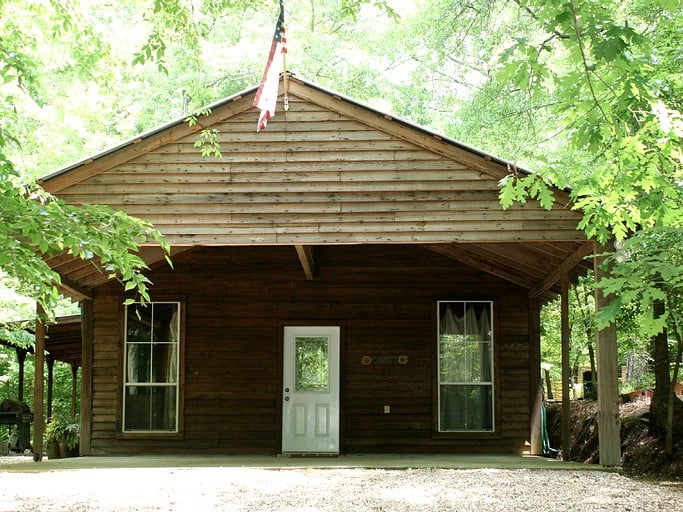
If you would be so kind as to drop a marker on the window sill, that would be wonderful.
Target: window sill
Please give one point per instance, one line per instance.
(466, 435)
(150, 435)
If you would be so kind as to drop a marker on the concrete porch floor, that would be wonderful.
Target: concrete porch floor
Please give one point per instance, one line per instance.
(25, 463)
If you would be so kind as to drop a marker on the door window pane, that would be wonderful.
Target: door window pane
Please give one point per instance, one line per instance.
(312, 372)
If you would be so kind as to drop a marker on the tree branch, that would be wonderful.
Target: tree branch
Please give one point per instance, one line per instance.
(579, 40)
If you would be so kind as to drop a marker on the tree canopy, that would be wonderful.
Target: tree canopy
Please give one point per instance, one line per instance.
(585, 94)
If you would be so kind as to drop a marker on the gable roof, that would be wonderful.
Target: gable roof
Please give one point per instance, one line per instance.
(51, 180)
(327, 171)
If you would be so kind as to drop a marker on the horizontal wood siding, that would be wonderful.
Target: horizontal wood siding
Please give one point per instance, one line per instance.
(238, 300)
(314, 176)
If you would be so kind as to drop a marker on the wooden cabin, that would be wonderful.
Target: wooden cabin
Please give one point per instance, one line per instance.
(342, 282)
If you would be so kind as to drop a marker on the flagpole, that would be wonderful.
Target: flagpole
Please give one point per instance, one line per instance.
(285, 100)
(284, 82)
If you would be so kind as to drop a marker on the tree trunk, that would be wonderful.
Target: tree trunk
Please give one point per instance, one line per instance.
(665, 409)
(670, 425)
(671, 409)
(660, 362)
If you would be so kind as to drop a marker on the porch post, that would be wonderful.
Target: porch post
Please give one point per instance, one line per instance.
(86, 375)
(609, 424)
(535, 382)
(21, 359)
(566, 374)
(74, 389)
(38, 386)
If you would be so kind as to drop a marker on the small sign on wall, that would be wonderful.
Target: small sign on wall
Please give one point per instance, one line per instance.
(383, 360)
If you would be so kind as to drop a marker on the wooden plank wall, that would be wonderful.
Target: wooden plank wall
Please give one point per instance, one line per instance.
(314, 176)
(383, 297)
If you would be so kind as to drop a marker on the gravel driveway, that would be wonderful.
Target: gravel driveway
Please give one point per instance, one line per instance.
(348, 490)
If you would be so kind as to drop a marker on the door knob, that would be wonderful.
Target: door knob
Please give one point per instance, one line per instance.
(286, 399)
(286, 390)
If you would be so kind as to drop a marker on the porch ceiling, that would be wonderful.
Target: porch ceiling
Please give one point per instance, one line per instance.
(62, 341)
(526, 264)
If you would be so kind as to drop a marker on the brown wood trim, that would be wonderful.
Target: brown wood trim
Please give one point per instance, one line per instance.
(86, 375)
(305, 253)
(535, 384)
(149, 436)
(463, 254)
(73, 289)
(38, 385)
(564, 268)
(609, 423)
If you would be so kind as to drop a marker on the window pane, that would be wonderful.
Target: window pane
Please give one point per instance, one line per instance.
(136, 411)
(139, 323)
(137, 362)
(165, 322)
(150, 408)
(312, 373)
(466, 408)
(460, 359)
(163, 408)
(164, 362)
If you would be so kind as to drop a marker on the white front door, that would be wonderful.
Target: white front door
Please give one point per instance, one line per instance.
(310, 392)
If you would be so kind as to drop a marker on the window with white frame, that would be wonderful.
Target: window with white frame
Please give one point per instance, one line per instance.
(465, 354)
(151, 362)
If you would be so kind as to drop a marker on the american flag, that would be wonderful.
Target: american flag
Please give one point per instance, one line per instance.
(266, 95)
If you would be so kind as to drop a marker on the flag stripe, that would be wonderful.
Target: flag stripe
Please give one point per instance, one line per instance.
(266, 94)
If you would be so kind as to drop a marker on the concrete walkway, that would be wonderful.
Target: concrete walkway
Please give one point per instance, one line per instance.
(23, 463)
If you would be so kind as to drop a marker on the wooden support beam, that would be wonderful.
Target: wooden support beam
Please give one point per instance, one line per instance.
(72, 289)
(38, 386)
(535, 383)
(74, 389)
(566, 371)
(21, 359)
(86, 375)
(609, 424)
(564, 268)
(465, 255)
(307, 260)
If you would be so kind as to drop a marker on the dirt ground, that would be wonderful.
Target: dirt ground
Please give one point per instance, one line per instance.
(208, 489)
(642, 455)
(200, 488)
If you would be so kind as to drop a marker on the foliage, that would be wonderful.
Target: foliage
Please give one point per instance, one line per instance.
(59, 430)
(33, 224)
(646, 270)
(605, 68)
